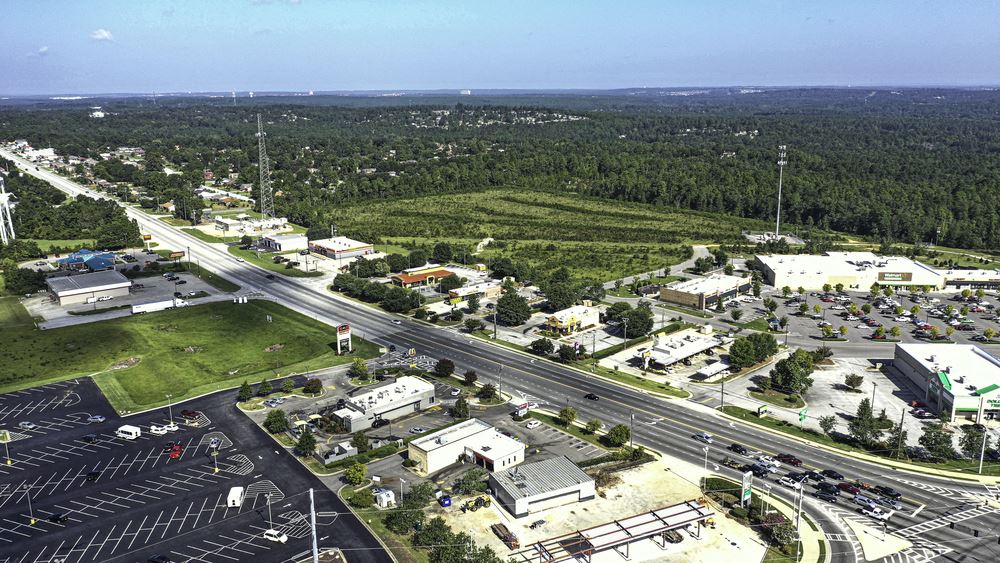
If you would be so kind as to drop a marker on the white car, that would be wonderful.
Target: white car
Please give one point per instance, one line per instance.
(790, 483)
(768, 460)
(397, 322)
(27, 425)
(875, 512)
(96, 418)
(157, 430)
(171, 427)
(704, 437)
(901, 319)
(532, 406)
(851, 318)
(239, 259)
(533, 424)
(838, 308)
(456, 392)
(275, 536)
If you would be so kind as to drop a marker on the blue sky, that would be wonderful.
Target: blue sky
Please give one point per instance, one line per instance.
(94, 46)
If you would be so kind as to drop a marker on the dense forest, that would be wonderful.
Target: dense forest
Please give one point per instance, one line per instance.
(889, 165)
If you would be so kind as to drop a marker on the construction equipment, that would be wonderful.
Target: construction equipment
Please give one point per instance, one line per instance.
(477, 503)
(506, 536)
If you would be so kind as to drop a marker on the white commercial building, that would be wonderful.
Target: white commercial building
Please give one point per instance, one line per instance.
(89, 288)
(387, 401)
(340, 247)
(956, 379)
(285, 243)
(472, 440)
(668, 350)
(702, 293)
(533, 487)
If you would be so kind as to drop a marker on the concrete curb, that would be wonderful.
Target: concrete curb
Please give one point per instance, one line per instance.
(895, 465)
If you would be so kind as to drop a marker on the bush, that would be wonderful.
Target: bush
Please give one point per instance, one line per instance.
(356, 473)
(739, 513)
(276, 421)
(363, 499)
(313, 387)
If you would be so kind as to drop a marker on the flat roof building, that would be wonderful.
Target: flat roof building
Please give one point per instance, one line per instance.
(88, 288)
(573, 319)
(855, 270)
(956, 379)
(472, 440)
(485, 290)
(533, 487)
(387, 401)
(340, 247)
(702, 293)
(285, 243)
(668, 350)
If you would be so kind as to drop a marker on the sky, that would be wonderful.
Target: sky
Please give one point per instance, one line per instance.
(104, 46)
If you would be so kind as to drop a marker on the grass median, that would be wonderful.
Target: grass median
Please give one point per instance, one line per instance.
(266, 261)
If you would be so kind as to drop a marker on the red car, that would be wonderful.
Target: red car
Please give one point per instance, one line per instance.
(790, 460)
(190, 414)
(176, 451)
(848, 488)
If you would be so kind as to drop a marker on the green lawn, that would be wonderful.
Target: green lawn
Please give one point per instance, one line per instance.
(13, 315)
(633, 380)
(779, 399)
(202, 235)
(48, 244)
(571, 429)
(265, 261)
(175, 222)
(182, 351)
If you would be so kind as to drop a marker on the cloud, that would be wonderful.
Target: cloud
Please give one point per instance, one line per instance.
(101, 35)
(169, 12)
(42, 51)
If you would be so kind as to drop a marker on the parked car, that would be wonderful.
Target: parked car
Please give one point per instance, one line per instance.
(89, 438)
(157, 430)
(417, 430)
(58, 518)
(96, 419)
(189, 414)
(533, 424)
(25, 425)
(275, 536)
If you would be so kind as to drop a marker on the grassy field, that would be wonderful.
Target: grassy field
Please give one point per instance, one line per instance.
(597, 239)
(183, 351)
(203, 236)
(265, 261)
(13, 315)
(47, 244)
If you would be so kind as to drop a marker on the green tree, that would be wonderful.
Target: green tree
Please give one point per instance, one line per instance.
(618, 436)
(755, 287)
(937, 441)
(512, 309)
(827, 423)
(246, 240)
(363, 499)
(444, 367)
(854, 380)
(487, 392)
(839, 287)
(245, 392)
(842, 330)
(867, 308)
(567, 415)
(915, 310)
(434, 533)
(313, 386)
(895, 441)
(791, 374)
(450, 283)
(472, 303)
(358, 369)
(640, 322)
(783, 322)
(288, 385)
(617, 311)
(786, 291)
(736, 314)
(360, 442)
(456, 315)
(895, 331)
(473, 324)
(442, 252)
(989, 333)
(827, 288)
(803, 308)
(567, 353)
(771, 305)
(473, 481)
(971, 441)
(863, 427)
(461, 409)
(542, 346)
(264, 388)
(306, 446)
(22, 281)
(560, 296)
(827, 331)
(356, 473)
(593, 426)
(404, 520)
(817, 308)
(470, 377)
(949, 331)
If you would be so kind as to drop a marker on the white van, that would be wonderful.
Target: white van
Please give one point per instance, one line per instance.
(235, 499)
(129, 432)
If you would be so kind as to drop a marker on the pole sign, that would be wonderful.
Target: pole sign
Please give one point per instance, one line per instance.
(177, 254)
(344, 338)
(747, 491)
(802, 415)
(147, 237)
(522, 410)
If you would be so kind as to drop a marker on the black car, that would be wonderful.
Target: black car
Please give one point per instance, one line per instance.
(759, 471)
(181, 282)
(269, 276)
(168, 446)
(89, 438)
(738, 448)
(591, 397)
(93, 475)
(887, 492)
(828, 488)
(160, 559)
(822, 495)
(813, 476)
(58, 518)
(379, 423)
(797, 477)
(832, 474)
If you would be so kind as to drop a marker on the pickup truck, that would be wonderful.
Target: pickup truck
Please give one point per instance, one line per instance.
(875, 512)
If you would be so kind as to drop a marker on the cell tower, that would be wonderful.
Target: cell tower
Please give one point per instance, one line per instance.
(6, 219)
(781, 168)
(266, 195)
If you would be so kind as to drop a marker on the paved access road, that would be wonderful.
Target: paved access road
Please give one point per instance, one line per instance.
(664, 425)
(98, 497)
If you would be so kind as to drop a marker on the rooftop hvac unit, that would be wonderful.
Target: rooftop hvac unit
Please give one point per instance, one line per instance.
(933, 357)
(442, 440)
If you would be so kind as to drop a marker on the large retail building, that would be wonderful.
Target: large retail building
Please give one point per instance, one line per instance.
(956, 379)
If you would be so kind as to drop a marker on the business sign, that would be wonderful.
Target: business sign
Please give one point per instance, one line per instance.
(344, 338)
(747, 492)
(147, 237)
(895, 276)
(522, 410)
(176, 254)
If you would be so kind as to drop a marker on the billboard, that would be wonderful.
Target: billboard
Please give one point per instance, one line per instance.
(895, 276)
(176, 254)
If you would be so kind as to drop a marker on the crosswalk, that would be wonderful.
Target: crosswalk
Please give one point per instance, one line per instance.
(942, 521)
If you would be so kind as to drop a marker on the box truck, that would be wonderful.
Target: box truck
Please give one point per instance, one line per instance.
(129, 432)
(235, 497)
(158, 306)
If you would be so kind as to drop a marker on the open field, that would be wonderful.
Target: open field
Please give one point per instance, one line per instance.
(13, 315)
(183, 351)
(597, 239)
(266, 261)
(46, 245)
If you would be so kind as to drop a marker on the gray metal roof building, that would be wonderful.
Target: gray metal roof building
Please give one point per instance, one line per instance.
(532, 487)
(84, 288)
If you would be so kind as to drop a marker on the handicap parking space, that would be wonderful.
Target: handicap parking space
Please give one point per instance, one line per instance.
(96, 496)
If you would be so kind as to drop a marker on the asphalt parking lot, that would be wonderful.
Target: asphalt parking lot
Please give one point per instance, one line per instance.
(95, 496)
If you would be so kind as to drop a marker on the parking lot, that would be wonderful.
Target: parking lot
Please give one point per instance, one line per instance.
(96, 496)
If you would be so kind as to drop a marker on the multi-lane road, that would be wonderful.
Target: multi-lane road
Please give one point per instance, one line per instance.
(665, 425)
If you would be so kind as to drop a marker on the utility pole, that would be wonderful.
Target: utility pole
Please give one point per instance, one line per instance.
(500, 377)
(312, 517)
(31, 512)
(723, 392)
(631, 432)
(170, 408)
(798, 520)
(270, 525)
(781, 169)
(625, 334)
(899, 441)
(874, 385)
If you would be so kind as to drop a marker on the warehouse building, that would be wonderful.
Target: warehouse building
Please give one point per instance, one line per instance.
(540, 485)
(88, 288)
(387, 401)
(472, 440)
(284, 243)
(960, 380)
(855, 270)
(340, 247)
(703, 293)
(573, 319)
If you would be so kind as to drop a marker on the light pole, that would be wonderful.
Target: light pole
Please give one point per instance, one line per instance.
(705, 449)
(170, 408)
(767, 499)
(270, 524)
(874, 385)
(31, 512)
(781, 169)
(500, 378)
(401, 482)
(631, 433)
(625, 334)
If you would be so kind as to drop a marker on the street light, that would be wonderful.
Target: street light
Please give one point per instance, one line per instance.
(705, 449)
(874, 385)
(31, 513)
(401, 481)
(270, 524)
(170, 408)
(625, 334)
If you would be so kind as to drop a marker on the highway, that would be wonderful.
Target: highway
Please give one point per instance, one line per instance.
(664, 425)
